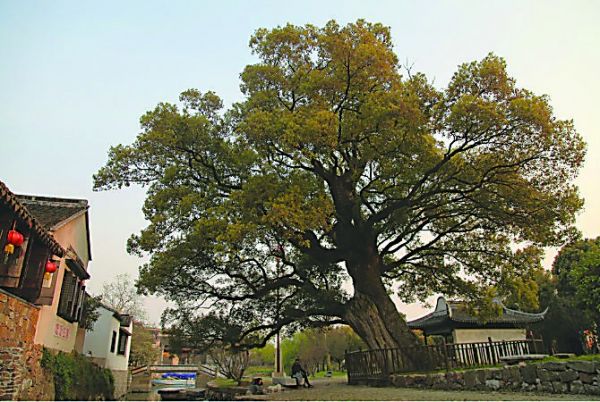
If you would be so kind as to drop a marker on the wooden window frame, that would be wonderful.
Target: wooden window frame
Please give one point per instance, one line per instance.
(113, 341)
(122, 343)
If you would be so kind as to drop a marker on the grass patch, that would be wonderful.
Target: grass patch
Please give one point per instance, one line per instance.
(334, 373)
(224, 382)
(595, 357)
(258, 371)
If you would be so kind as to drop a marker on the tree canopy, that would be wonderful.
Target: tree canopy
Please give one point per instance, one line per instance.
(335, 168)
(577, 268)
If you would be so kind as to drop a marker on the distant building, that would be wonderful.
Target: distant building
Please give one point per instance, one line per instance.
(184, 354)
(108, 344)
(453, 321)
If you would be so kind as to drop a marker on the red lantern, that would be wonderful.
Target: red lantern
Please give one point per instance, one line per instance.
(15, 238)
(50, 267)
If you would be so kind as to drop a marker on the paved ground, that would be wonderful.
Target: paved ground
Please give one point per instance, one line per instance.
(337, 389)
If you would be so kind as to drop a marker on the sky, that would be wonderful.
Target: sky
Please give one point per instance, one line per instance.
(75, 77)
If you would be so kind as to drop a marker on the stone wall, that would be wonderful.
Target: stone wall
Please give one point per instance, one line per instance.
(21, 374)
(561, 377)
(121, 382)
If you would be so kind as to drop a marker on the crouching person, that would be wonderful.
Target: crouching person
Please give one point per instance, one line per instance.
(256, 386)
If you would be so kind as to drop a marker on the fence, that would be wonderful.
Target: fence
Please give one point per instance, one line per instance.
(375, 366)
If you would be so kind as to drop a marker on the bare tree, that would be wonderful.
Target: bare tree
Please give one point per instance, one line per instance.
(121, 295)
(231, 364)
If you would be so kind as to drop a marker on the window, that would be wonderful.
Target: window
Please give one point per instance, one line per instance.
(80, 304)
(122, 342)
(71, 297)
(67, 296)
(113, 341)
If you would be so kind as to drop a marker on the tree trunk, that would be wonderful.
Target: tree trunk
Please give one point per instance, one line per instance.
(371, 312)
(375, 318)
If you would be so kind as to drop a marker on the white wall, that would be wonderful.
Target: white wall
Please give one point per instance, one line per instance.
(481, 335)
(74, 234)
(98, 340)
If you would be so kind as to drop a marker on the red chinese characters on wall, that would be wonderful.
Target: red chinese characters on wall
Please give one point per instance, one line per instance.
(61, 331)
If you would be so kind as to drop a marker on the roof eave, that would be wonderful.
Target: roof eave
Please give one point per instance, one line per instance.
(22, 212)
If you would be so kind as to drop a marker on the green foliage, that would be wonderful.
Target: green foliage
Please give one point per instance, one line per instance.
(264, 356)
(76, 378)
(577, 267)
(90, 312)
(224, 382)
(594, 358)
(520, 290)
(571, 295)
(341, 339)
(563, 324)
(315, 347)
(144, 350)
(260, 371)
(336, 168)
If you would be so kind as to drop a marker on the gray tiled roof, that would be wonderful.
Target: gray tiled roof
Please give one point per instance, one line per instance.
(52, 211)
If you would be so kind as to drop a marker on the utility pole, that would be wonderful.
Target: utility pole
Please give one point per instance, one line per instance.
(278, 354)
(278, 365)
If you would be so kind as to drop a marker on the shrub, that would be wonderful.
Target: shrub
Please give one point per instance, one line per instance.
(76, 378)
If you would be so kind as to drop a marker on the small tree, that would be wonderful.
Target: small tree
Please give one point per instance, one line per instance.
(144, 350)
(313, 349)
(90, 312)
(341, 339)
(230, 363)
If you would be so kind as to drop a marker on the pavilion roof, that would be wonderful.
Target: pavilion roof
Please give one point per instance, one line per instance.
(455, 314)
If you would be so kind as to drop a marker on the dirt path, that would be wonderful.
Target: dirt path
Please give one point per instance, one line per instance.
(337, 389)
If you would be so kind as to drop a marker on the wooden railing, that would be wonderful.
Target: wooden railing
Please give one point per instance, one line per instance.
(375, 366)
(138, 370)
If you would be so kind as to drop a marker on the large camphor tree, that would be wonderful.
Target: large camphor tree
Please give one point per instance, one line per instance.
(337, 182)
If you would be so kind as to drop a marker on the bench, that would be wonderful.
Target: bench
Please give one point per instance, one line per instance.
(287, 382)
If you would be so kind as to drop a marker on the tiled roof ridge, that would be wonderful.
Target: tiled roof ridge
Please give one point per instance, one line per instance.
(464, 305)
(58, 201)
(457, 312)
(53, 212)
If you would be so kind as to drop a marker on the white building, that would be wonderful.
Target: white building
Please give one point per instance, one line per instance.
(108, 344)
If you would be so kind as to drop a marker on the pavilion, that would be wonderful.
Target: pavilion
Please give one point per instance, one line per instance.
(456, 324)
